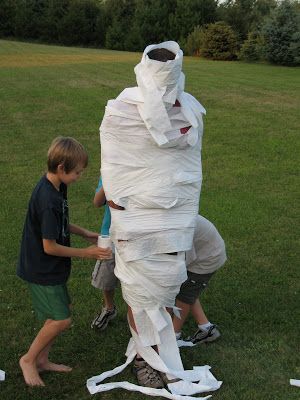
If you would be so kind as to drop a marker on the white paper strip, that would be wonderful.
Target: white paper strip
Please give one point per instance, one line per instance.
(181, 390)
(184, 343)
(2, 375)
(295, 382)
(145, 390)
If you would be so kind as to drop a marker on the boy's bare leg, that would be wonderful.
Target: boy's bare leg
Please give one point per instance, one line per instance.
(43, 363)
(43, 340)
(108, 297)
(184, 312)
(198, 313)
(131, 319)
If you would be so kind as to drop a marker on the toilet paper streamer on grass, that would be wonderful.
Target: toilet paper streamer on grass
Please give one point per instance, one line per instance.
(2, 375)
(295, 382)
(182, 390)
(197, 380)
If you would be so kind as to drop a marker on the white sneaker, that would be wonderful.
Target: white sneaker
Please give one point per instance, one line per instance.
(101, 320)
(205, 336)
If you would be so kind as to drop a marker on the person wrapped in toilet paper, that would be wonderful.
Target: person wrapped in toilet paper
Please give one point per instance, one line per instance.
(151, 170)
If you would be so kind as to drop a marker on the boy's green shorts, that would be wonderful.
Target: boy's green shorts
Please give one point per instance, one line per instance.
(50, 302)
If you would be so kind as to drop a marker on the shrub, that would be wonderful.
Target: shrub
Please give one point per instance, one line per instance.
(219, 42)
(194, 41)
(252, 47)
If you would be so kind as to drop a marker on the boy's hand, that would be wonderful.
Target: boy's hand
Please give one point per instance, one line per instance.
(91, 237)
(99, 253)
(54, 249)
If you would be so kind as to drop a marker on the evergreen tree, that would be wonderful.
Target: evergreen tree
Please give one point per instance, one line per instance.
(245, 16)
(78, 25)
(30, 18)
(133, 40)
(295, 48)
(194, 42)
(7, 18)
(151, 21)
(237, 14)
(191, 13)
(55, 13)
(261, 10)
(252, 47)
(100, 29)
(118, 21)
(282, 35)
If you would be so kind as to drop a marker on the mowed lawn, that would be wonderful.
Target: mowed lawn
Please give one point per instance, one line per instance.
(250, 191)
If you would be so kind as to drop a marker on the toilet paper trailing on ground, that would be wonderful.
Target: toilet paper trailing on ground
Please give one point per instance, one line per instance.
(295, 382)
(185, 343)
(181, 390)
(2, 375)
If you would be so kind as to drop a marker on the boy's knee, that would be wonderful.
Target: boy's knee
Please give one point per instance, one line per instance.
(63, 324)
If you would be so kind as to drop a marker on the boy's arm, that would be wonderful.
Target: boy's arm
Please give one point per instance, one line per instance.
(54, 249)
(85, 233)
(99, 199)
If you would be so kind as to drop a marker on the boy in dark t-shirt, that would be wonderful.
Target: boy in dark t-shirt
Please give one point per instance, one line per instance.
(45, 256)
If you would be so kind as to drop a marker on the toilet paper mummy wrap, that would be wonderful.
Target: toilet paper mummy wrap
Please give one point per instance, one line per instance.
(151, 166)
(153, 170)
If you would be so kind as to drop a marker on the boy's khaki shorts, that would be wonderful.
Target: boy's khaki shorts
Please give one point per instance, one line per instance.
(103, 276)
(50, 302)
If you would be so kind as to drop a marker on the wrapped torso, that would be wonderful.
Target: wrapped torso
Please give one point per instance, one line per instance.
(159, 186)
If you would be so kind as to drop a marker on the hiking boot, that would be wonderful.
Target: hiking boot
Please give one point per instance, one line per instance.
(101, 320)
(146, 375)
(205, 336)
(166, 380)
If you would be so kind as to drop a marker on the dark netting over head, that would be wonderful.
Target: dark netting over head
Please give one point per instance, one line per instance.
(161, 54)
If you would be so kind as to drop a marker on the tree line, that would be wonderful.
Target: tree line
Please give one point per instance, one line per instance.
(247, 29)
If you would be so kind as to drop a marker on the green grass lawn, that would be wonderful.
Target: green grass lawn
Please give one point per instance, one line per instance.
(250, 191)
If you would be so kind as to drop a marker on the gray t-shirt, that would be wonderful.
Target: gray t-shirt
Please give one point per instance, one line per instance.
(208, 253)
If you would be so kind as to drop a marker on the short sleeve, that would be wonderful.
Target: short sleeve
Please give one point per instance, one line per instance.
(49, 224)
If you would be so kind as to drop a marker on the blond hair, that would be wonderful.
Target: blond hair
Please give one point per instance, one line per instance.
(67, 151)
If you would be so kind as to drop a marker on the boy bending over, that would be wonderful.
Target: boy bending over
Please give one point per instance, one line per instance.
(45, 256)
(208, 254)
